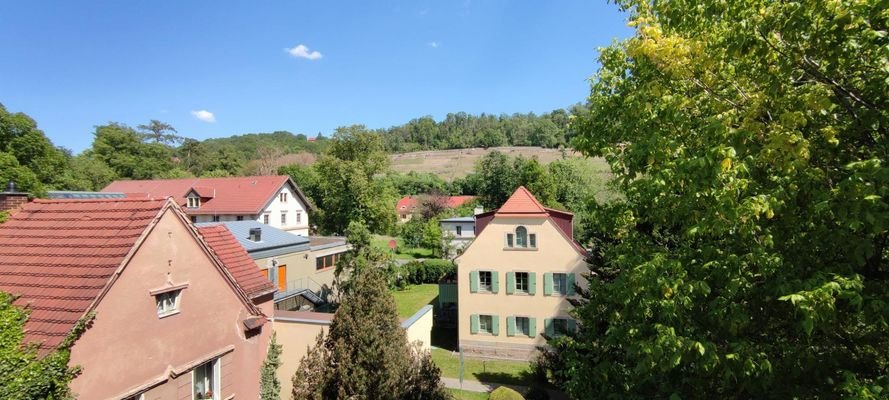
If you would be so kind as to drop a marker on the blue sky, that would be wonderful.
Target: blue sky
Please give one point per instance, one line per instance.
(73, 65)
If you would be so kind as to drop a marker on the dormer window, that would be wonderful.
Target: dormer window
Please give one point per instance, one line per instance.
(194, 201)
(521, 239)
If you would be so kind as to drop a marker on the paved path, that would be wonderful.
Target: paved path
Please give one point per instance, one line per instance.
(486, 387)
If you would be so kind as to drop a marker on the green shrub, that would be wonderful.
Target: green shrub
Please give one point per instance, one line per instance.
(419, 272)
(505, 393)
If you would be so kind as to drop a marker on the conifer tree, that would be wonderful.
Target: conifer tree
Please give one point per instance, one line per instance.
(366, 353)
(269, 386)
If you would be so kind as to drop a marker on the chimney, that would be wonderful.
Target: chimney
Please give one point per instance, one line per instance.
(255, 235)
(10, 199)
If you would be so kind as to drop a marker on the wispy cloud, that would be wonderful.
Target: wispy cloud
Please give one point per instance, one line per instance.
(423, 12)
(204, 115)
(433, 44)
(301, 51)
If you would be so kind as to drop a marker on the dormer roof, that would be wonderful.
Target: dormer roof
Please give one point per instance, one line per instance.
(522, 204)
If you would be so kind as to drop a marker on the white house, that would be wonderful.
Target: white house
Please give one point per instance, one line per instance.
(270, 200)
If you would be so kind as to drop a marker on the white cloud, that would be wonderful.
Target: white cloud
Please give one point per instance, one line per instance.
(204, 115)
(433, 44)
(301, 51)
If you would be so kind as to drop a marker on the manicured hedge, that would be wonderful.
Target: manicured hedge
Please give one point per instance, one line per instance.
(426, 271)
(505, 393)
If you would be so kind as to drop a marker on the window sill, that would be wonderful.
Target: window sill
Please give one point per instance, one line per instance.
(519, 249)
(484, 334)
(169, 314)
(521, 294)
(483, 292)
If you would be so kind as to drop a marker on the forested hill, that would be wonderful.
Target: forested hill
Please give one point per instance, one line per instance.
(157, 150)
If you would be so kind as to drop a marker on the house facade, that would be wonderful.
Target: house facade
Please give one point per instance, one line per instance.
(515, 279)
(408, 206)
(457, 233)
(302, 268)
(179, 313)
(272, 200)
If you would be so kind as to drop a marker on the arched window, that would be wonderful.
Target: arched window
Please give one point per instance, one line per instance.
(521, 237)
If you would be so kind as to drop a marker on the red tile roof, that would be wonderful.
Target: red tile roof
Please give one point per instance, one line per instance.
(407, 203)
(59, 255)
(522, 203)
(232, 195)
(224, 244)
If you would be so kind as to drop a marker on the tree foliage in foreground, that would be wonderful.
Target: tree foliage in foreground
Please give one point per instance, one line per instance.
(25, 374)
(748, 257)
(365, 354)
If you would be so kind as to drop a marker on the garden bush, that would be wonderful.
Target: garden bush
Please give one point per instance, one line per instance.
(505, 393)
(419, 272)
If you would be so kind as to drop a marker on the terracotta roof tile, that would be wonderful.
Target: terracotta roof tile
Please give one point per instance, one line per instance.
(236, 260)
(522, 203)
(232, 195)
(58, 255)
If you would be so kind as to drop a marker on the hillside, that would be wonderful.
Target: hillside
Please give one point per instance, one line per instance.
(451, 164)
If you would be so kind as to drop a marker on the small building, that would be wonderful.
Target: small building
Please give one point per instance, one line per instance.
(408, 206)
(270, 200)
(179, 313)
(456, 234)
(290, 262)
(515, 280)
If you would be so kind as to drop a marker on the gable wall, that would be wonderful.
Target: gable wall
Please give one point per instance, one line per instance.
(292, 207)
(129, 345)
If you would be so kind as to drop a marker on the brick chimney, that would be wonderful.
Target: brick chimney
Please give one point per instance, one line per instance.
(10, 199)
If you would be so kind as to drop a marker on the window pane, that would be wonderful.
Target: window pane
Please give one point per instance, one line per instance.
(521, 237)
(484, 278)
(509, 240)
(521, 282)
(533, 240)
(560, 285)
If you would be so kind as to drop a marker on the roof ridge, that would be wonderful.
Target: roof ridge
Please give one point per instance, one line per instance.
(100, 200)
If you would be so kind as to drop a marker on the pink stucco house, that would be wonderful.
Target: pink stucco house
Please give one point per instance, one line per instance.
(180, 312)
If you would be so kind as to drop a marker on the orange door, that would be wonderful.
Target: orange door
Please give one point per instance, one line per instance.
(282, 278)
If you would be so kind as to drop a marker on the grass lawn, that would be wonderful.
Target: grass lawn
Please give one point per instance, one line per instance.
(402, 252)
(412, 298)
(494, 371)
(465, 395)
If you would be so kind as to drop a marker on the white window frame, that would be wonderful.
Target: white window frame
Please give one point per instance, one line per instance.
(490, 286)
(527, 282)
(283, 218)
(299, 217)
(564, 279)
(217, 374)
(526, 325)
(193, 201)
(266, 218)
(163, 304)
(490, 324)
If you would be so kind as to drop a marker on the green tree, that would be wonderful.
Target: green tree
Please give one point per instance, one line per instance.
(32, 151)
(366, 353)
(122, 149)
(496, 179)
(748, 255)
(351, 183)
(160, 132)
(269, 386)
(25, 374)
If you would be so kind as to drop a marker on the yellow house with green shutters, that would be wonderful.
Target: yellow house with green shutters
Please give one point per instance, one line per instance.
(522, 245)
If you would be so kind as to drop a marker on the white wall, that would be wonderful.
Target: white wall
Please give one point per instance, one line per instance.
(468, 229)
(293, 206)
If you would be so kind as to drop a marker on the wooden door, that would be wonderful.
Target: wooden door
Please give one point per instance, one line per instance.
(282, 278)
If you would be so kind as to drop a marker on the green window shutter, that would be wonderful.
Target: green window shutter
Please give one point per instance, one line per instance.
(569, 279)
(572, 326)
(495, 282)
(548, 284)
(473, 324)
(548, 327)
(473, 282)
(510, 326)
(510, 282)
(495, 325)
(532, 327)
(532, 283)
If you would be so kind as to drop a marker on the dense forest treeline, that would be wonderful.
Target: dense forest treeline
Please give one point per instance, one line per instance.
(157, 150)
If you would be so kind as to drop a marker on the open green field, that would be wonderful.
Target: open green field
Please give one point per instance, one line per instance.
(451, 164)
(402, 253)
(466, 395)
(413, 297)
(495, 371)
